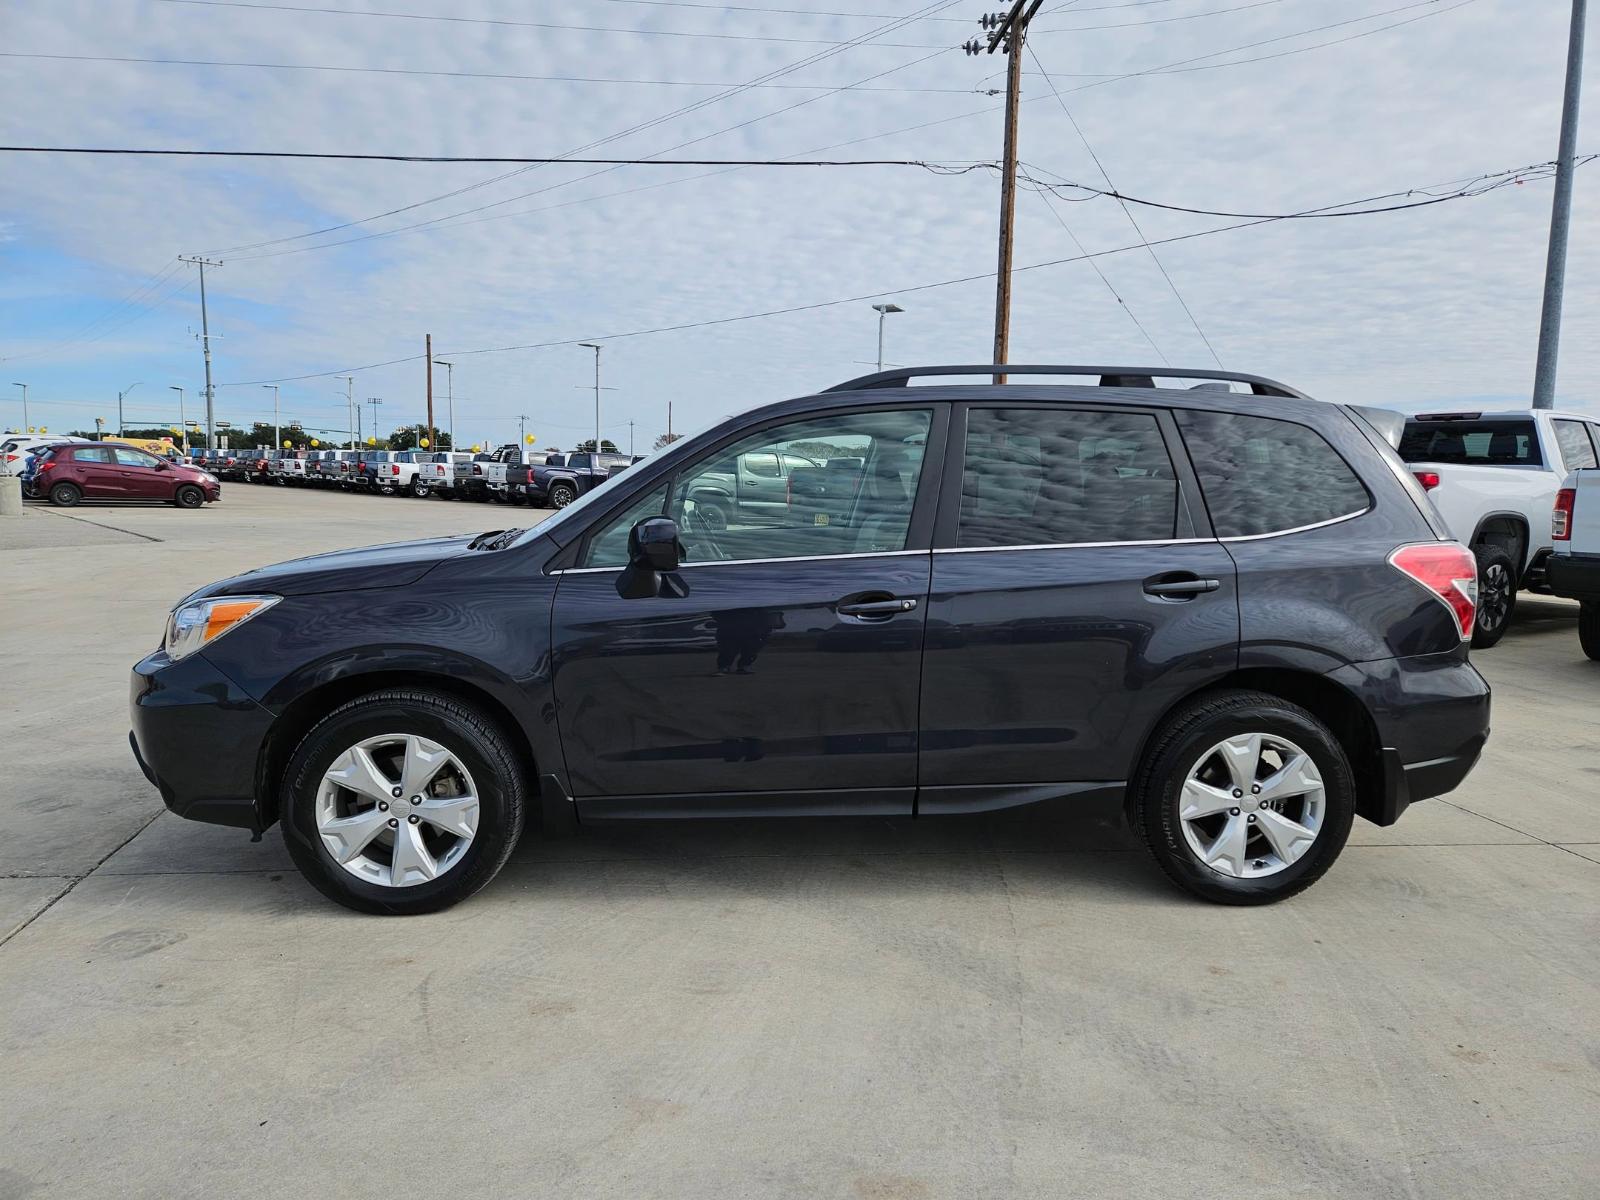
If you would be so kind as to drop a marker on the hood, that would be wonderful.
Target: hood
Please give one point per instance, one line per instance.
(393, 565)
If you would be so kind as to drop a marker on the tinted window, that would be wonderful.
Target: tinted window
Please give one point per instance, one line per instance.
(96, 455)
(1576, 449)
(1486, 443)
(1261, 475)
(608, 547)
(134, 458)
(1053, 476)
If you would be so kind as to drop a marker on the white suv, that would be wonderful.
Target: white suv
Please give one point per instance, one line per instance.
(16, 448)
(1493, 476)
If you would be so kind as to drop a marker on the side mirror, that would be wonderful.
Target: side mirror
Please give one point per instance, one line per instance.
(161, 465)
(653, 549)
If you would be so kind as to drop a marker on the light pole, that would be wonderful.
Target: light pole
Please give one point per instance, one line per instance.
(349, 404)
(24, 388)
(883, 311)
(1555, 269)
(449, 397)
(183, 426)
(120, 395)
(595, 346)
(277, 431)
(374, 401)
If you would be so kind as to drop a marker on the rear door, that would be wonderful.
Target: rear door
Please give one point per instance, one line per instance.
(1076, 594)
(97, 472)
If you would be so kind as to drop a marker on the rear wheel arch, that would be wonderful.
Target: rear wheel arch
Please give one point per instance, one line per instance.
(306, 710)
(1330, 702)
(1507, 530)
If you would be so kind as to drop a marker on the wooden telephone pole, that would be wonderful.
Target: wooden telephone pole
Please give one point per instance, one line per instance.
(1006, 32)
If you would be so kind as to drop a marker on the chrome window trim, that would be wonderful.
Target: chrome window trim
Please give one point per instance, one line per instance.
(1072, 545)
(1256, 537)
(746, 562)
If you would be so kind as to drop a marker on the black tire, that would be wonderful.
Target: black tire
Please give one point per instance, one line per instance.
(711, 515)
(562, 494)
(188, 496)
(1174, 751)
(1497, 595)
(420, 490)
(487, 752)
(65, 495)
(1589, 628)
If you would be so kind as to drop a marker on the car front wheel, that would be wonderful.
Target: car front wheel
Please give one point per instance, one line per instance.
(403, 802)
(189, 496)
(1244, 798)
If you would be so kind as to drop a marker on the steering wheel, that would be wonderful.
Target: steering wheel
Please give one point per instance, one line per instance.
(700, 539)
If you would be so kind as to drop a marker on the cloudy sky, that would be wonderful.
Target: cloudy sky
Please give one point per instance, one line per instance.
(1268, 106)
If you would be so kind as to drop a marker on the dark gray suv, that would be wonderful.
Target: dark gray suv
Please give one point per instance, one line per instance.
(1230, 606)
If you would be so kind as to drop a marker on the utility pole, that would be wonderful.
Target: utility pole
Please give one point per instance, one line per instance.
(595, 346)
(374, 401)
(450, 396)
(428, 348)
(522, 419)
(883, 311)
(630, 439)
(1006, 31)
(669, 422)
(277, 429)
(1555, 269)
(120, 395)
(351, 412)
(205, 344)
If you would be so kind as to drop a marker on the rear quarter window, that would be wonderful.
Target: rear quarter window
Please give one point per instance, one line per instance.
(1261, 475)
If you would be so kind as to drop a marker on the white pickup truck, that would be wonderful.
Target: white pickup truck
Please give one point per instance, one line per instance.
(1493, 477)
(1575, 565)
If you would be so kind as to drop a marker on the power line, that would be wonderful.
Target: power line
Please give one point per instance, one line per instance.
(955, 168)
(547, 25)
(1210, 12)
(765, 77)
(1503, 179)
(1154, 257)
(269, 66)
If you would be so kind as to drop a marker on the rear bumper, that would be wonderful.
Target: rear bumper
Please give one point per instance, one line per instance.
(1432, 717)
(197, 737)
(1575, 576)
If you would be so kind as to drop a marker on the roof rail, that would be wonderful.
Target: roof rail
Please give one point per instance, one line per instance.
(1109, 377)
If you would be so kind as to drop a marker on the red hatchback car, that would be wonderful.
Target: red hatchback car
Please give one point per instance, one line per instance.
(70, 473)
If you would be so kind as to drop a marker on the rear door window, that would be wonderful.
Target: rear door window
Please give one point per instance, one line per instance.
(1261, 475)
(96, 454)
(1512, 443)
(1576, 449)
(1058, 476)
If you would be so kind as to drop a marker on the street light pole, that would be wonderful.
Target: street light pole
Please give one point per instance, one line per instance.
(595, 346)
(120, 395)
(350, 403)
(24, 388)
(1555, 270)
(277, 430)
(374, 401)
(450, 397)
(883, 311)
(183, 425)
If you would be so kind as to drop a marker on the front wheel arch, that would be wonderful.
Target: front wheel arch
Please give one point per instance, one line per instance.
(306, 710)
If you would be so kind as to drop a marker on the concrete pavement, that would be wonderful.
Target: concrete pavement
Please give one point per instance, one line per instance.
(1017, 1006)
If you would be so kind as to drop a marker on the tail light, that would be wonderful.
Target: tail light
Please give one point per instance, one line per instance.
(12, 457)
(1561, 518)
(394, 470)
(48, 464)
(476, 469)
(1428, 479)
(1449, 571)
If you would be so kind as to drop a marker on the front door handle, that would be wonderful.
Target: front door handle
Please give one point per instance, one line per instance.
(1179, 588)
(875, 608)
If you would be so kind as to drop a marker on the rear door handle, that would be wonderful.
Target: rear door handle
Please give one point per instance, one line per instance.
(875, 608)
(1180, 588)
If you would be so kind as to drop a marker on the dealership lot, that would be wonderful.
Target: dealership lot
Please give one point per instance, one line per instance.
(879, 1009)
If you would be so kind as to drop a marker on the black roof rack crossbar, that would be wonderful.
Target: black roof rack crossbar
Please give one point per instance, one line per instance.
(1109, 376)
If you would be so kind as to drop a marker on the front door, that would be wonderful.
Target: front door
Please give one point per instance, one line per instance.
(1073, 600)
(140, 474)
(784, 678)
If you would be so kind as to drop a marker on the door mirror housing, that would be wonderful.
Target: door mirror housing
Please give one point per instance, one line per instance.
(653, 550)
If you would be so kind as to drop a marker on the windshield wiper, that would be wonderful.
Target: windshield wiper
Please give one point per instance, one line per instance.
(484, 539)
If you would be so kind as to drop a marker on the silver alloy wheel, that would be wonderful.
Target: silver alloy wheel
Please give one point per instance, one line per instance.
(1252, 805)
(397, 810)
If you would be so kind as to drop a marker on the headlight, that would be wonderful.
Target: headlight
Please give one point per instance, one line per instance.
(199, 622)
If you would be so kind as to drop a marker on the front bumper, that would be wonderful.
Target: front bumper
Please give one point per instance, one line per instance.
(197, 737)
(1575, 576)
(1432, 717)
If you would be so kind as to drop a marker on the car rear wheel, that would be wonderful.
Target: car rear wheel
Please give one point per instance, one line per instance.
(420, 490)
(1497, 595)
(403, 802)
(65, 495)
(189, 496)
(1244, 798)
(561, 495)
(1589, 628)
